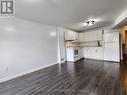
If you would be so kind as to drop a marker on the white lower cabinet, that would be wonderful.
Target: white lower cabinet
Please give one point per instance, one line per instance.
(94, 53)
(110, 52)
(82, 52)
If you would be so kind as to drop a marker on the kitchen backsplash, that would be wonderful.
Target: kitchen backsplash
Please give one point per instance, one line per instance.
(83, 44)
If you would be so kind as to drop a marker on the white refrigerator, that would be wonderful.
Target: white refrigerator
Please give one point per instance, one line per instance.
(112, 46)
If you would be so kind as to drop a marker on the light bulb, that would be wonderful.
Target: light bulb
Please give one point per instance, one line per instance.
(90, 23)
(84, 24)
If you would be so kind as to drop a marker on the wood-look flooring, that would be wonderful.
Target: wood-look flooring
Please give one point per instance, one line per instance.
(123, 68)
(85, 77)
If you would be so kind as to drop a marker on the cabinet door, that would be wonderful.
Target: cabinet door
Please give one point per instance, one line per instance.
(93, 35)
(82, 52)
(71, 35)
(97, 35)
(76, 36)
(93, 53)
(81, 37)
(66, 35)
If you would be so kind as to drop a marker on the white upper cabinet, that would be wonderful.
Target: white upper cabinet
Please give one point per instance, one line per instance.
(93, 35)
(76, 36)
(71, 35)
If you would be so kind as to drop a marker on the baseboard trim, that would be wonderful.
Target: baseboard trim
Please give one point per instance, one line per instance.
(102, 60)
(93, 59)
(24, 73)
(111, 61)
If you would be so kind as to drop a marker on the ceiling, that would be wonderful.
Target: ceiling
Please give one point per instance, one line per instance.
(71, 13)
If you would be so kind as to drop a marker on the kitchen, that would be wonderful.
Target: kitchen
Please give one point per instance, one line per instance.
(98, 44)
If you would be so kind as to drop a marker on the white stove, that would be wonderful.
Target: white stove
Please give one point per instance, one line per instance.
(73, 54)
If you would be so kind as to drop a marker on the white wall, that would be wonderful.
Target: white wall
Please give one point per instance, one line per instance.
(25, 46)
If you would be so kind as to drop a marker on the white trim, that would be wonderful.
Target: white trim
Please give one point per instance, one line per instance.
(61, 45)
(24, 73)
(58, 45)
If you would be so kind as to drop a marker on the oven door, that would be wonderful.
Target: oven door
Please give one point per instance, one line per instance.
(76, 52)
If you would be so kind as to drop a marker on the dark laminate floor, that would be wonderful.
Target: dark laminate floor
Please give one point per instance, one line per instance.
(85, 77)
(123, 69)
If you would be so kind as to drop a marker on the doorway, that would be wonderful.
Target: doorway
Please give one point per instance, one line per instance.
(125, 48)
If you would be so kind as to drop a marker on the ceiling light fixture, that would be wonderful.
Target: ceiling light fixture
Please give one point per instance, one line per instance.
(89, 23)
